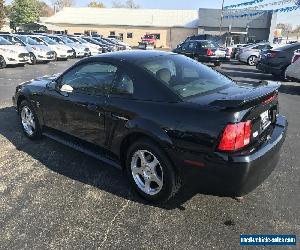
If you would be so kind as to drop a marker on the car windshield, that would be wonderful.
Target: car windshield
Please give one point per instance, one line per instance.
(4, 41)
(48, 40)
(74, 40)
(28, 40)
(66, 39)
(208, 44)
(184, 75)
(81, 40)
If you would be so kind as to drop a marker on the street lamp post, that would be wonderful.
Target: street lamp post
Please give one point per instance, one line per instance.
(222, 16)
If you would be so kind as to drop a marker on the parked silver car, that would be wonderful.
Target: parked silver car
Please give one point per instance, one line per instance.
(78, 49)
(250, 54)
(12, 54)
(94, 48)
(62, 51)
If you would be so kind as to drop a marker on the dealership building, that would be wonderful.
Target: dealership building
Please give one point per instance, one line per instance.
(171, 26)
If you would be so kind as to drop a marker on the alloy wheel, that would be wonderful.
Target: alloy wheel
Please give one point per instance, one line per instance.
(2, 63)
(251, 60)
(147, 172)
(27, 118)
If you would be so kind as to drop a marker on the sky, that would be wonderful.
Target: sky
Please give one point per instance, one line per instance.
(292, 17)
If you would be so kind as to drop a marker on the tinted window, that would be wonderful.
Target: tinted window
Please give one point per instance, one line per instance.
(123, 85)
(192, 45)
(91, 78)
(28, 40)
(4, 41)
(185, 76)
(48, 40)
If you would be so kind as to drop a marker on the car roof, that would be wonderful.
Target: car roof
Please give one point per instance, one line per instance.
(133, 55)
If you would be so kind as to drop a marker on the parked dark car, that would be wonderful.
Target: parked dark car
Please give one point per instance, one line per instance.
(277, 60)
(159, 116)
(203, 51)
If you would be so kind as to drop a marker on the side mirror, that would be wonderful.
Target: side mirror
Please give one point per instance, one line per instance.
(66, 88)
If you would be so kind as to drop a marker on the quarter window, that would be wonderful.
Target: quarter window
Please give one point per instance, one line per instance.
(91, 78)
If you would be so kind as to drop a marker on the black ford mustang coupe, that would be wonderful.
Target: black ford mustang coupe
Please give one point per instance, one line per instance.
(157, 115)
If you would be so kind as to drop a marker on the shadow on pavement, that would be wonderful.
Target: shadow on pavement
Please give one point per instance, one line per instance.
(290, 89)
(80, 167)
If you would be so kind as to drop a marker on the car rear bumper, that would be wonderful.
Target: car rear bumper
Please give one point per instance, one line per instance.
(268, 69)
(212, 59)
(235, 175)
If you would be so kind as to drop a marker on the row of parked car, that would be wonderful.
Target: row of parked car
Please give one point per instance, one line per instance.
(17, 49)
(281, 61)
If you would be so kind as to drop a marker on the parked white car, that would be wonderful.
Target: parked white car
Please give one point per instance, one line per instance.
(78, 49)
(11, 54)
(38, 51)
(293, 71)
(251, 53)
(94, 48)
(62, 51)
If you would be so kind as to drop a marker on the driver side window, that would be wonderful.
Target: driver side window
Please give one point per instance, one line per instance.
(91, 78)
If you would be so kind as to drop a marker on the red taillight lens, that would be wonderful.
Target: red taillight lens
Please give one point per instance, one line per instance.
(209, 52)
(295, 58)
(235, 136)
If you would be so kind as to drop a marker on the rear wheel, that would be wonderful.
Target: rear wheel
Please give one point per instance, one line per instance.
(150, 172)
(251, 60)
(2, 62)
(29, 121)
(217, 64)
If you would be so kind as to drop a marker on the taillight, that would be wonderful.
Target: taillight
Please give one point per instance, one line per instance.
(295, 58)
(235, 136)
(209, 52)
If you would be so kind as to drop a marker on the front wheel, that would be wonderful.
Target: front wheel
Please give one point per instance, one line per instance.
(33, 60)
(29, 121)
(252, 60)
(150, 172)
(2, 62)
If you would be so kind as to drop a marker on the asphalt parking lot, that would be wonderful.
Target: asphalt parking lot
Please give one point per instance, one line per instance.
(52, 197)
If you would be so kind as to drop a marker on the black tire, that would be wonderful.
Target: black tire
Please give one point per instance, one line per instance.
(171, 181)
(55, 56)
(37, 132)
(251, 60)
(2, 62)
(22, 64)
(217, 64)
(33, 60)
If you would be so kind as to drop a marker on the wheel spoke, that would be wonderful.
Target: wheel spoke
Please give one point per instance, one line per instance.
(147, 185)
(137, 170)
(142, 157)
(157, 180)
(152, 165)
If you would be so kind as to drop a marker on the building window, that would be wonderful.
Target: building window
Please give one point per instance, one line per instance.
(112, 33)
(130, 35)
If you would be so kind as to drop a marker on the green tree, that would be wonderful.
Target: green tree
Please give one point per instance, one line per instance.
(23, 12)
(96, 4)
(2, 13)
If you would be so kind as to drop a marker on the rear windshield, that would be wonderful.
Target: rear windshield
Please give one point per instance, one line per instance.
(208, 44)
(185, 76)
(289, 47)
(28, 40)
(4, 41)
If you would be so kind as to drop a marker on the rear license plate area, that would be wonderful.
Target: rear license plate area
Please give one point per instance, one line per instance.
(265, 120)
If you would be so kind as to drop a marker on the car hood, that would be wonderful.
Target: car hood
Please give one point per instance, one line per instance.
(237, 94)
(18, 49)
(41, 47)
(41, 81)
